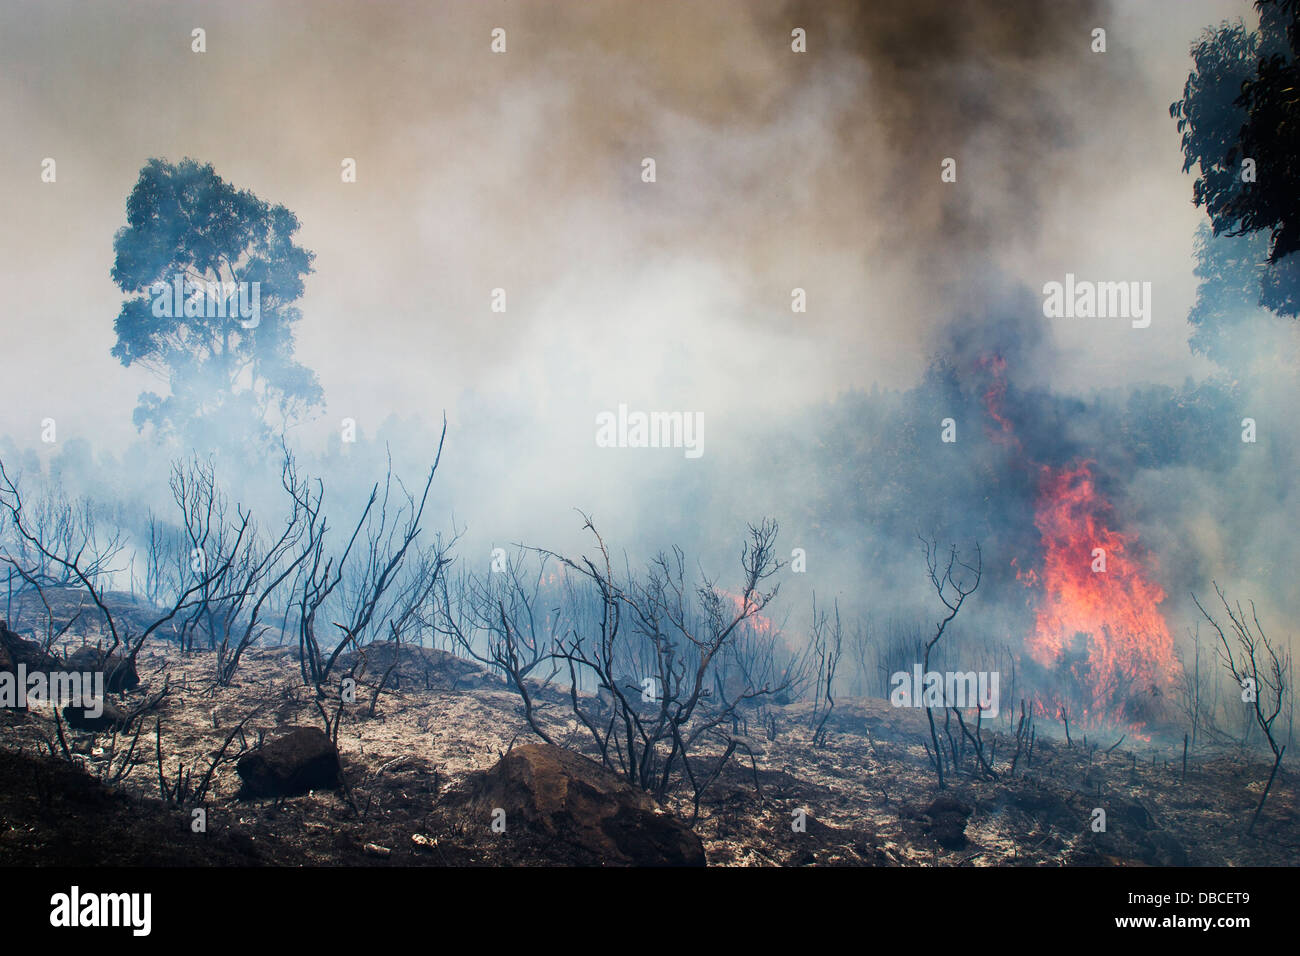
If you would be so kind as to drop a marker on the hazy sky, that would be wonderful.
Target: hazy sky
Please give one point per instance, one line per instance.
(478, 170)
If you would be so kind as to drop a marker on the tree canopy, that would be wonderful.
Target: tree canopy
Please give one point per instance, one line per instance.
(211, 274)
(1241, 108)
(1240, 119)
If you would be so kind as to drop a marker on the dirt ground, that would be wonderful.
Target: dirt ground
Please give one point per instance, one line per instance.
(868, 795)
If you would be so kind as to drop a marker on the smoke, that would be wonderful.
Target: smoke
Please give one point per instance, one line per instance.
(774, 170)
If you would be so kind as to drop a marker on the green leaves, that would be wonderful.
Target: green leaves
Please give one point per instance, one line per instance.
(187, 226)
(1240, 124)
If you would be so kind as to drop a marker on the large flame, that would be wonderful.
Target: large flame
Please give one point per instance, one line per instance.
(1097, 615)
(1098, 627)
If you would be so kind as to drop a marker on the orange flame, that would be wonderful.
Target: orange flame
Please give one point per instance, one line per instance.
(1102, 627)
(1099, 630)
(759, 623)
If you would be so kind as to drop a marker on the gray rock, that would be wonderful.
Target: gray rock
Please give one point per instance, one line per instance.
(561, 797)
(301, 760)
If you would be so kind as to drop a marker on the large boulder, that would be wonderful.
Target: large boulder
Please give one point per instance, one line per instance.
(19, 650)
(15, 650)
(105, 716)
(119, 671)
(9, 704)
(300, 760)
(563, 798)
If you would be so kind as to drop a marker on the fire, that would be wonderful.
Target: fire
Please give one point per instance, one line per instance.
(759, 623)
(994, 396)
(1098, 627)
(1101, 628)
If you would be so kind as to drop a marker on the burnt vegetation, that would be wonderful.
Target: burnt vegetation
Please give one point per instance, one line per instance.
(371, 682)
(312, 674)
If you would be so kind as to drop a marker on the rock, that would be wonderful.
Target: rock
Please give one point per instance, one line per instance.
(19, 650)
(119, 671)
(562, 797)
(110, 716)
(947, 821)
(301, 760)
(411, 667)
(1131, 814)
(15, 650)
(12, 708)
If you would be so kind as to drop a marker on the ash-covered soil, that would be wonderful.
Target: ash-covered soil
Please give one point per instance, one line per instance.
(868, 795)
